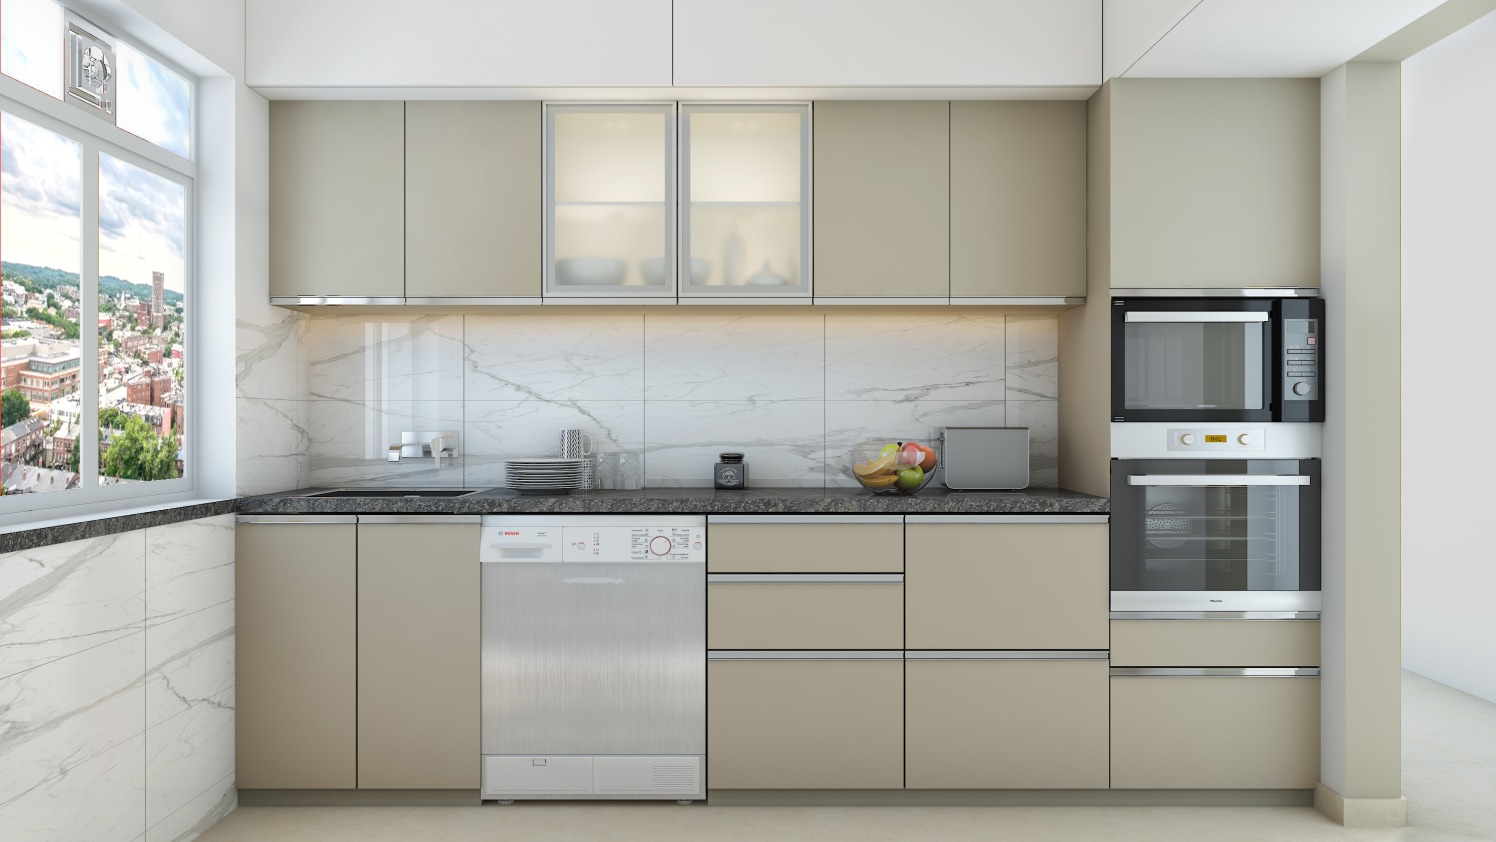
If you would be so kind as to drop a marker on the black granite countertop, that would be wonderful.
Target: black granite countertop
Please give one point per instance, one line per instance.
(809, 501)
(26, 537)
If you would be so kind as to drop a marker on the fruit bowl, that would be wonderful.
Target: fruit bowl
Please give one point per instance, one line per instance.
(892, 466)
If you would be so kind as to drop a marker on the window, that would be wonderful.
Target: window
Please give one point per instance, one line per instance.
(96, 271)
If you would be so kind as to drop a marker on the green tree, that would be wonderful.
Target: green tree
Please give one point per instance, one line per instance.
(14, 407)
(73, 458)
(138, 453)
(111, 418)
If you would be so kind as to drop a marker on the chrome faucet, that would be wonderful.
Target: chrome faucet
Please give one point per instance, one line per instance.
(418, 445)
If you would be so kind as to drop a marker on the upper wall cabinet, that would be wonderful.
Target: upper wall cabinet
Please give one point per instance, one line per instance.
(882, 199)
(745, 189)
(610, 201)
(457, 43)
(472, 200)
(1018, 199)
(1213, 182)
(337, 201)
(888, 42)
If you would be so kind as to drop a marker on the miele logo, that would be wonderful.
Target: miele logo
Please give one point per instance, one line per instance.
(1218, 600)
(507, 532)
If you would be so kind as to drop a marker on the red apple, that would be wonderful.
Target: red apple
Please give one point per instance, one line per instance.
(912, 454)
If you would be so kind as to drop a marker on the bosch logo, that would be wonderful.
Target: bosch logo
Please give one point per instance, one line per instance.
(510, 533)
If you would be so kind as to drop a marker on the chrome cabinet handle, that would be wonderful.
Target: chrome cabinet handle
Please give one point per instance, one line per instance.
(1215, 672)
(1210, 480)
(805, 579)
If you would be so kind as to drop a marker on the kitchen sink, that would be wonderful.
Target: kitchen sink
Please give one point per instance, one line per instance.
(396, 492)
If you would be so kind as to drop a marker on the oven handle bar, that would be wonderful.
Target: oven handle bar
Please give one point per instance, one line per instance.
(1217, 316)
(1210, 480)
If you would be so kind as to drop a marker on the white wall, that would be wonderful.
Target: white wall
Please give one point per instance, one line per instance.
(1449, 294)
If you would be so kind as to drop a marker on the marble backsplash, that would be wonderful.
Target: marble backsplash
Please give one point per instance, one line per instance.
(793, 391)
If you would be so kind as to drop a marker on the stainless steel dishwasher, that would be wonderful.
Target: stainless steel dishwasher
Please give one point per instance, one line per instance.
(594, 656)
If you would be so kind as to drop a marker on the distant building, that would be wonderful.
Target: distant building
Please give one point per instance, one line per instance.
(159, 417)
(153, 354)
(176, 352)
(138, 389)
(63, 442)
(129, 343)
(21, 440)
(51, 369)
(106, 321)
(28, 479)
(158, 297)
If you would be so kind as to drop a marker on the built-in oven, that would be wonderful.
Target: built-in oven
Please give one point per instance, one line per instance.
(1215, 534)
(1217, 359)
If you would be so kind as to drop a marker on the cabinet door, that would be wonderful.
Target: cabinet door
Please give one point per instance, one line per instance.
(295, 655)
(473, 209)
(610, 201)
(1006, 724)
(1215, 643)
(1006, 586)
(745, 184)
(1173, 730)
(796, 611)
(805, 544)
(805, 724)
(337, 198)
(418, 656)
(882, 199)
(1018, 199)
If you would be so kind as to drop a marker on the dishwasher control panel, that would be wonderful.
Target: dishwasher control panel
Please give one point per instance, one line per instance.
(634, 543)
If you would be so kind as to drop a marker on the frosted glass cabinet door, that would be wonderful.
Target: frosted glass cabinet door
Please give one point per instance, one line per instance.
(746, 187)
(610, 200)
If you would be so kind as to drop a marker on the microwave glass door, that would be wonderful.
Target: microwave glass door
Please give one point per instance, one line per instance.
(1189, 525)
(1195, 361)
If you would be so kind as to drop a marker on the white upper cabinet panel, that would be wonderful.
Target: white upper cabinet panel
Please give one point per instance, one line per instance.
(1268, 38)
(887, 42)
(458, 43)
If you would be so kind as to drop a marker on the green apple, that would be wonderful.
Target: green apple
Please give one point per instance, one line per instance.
(888, 448)
(911, 477)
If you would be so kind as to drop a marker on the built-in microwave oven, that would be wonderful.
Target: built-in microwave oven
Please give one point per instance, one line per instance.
(1218, 359)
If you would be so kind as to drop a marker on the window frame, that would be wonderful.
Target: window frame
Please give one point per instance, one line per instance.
(96, 137)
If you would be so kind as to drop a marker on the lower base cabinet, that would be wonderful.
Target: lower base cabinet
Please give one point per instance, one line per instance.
(805, 722)
(1187, 729)
(994, 723)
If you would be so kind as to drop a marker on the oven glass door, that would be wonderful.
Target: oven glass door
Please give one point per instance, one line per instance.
(1200, 361)
(1203, 527)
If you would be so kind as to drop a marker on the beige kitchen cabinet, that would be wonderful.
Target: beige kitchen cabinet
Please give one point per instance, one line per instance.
(805, 543)
(882, 199)
(419, 632)
(805, 721)
(473, 174)
(337, 199)
(1006, 582)
(805, 611)
(1212, 183)
(1214, 729)
(295, 653)
(1215, 643)
(1005, 721)
(1018, 199)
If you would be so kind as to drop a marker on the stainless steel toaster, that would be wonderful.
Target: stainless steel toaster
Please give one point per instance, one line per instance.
(985, 458)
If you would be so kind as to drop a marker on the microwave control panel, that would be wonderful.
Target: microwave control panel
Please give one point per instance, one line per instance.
(1198, 439)
(634, 543)
(1300, 359)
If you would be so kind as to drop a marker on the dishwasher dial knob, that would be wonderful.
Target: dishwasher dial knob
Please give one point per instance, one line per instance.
(581, 545)
(696, 546)
(1187, 438)
(659, 545)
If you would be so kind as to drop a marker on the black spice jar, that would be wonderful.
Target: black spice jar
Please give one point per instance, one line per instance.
(731, 472)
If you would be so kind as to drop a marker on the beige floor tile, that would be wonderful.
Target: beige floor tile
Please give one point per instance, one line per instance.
(1449, 762)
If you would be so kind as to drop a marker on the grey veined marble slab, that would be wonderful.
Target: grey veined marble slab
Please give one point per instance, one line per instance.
(698, 501)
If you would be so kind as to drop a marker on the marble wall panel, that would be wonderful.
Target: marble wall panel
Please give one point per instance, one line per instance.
(557, 357)
(273, 445)
(496, 430)
(913, 355)
(67, 598)
(371, 360)
(189, 566)
(753, 357)
(100, 798)
(783, 442)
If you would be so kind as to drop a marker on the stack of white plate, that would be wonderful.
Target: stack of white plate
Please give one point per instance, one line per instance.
(546, 474)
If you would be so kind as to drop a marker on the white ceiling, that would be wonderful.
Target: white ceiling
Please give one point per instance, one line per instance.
(1223, 38)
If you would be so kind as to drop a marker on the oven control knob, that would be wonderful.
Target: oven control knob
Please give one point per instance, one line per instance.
(659, 545)
(1244, 439)
(1187, 438)
(1301, 388)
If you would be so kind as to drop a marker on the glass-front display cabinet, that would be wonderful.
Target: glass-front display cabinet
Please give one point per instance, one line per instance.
(745, 186)
(610, 201)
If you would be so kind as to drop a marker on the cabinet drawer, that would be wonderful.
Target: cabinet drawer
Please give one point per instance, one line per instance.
(1175, 730)
(1215, 643)
(1006, 586)
(1006, 724)
(805, 724)
(797, 611)
(875, 546)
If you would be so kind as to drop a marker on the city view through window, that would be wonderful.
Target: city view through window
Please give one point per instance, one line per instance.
(141, 419)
